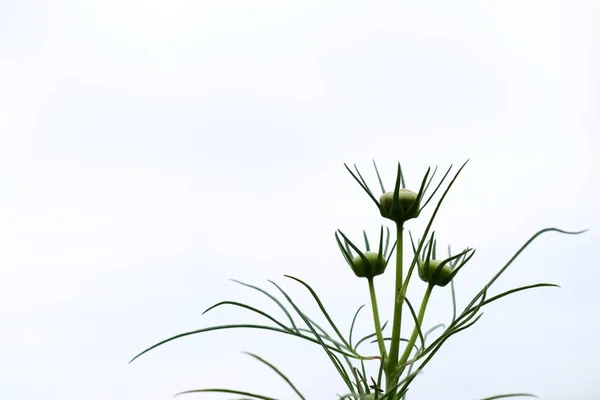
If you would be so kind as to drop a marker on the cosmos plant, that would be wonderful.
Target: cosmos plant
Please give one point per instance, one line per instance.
(399, 360)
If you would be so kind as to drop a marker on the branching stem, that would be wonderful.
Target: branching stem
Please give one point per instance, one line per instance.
(415, 333)
(399, 294)
(376, 320)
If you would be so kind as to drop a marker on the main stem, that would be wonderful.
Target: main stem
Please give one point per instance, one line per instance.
(392, 361)
(415, 333)
(376, 320)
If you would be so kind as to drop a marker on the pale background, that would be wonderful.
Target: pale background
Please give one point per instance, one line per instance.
(151, 150)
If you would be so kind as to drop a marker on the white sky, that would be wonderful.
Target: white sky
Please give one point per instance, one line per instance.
(151, 150)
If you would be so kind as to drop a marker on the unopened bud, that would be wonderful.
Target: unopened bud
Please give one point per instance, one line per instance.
(407, 207)
(428, 274)
(375, 265)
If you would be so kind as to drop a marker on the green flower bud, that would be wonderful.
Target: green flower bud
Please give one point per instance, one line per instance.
(375, 265)
(370, 396)
(408, 206)
(365, 264)
(427, 272)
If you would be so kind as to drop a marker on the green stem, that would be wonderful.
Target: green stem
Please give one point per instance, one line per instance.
(415, 333)
(392, 361)
(376, 319)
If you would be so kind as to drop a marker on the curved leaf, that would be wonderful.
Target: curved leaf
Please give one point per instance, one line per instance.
(336, 362)
(352, 325)
(269, 295)
(242, 305)
(322, 308)
(278, 373)
(234, 326)
(253, 395)
(503, 396)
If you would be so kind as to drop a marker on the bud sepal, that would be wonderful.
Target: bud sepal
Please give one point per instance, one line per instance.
(440, 272)
(401, 204)
(367, 264)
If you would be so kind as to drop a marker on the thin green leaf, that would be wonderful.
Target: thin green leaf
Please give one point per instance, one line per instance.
(365, 338)
(242, 305)
(391, 252)
(469, 313)
(387, 240)
(369, 336)
(336, 362)
(348, 242)
(429, 249)
(519, 289)
(379, 376)
(412, 242)
(285, 378)
(454, 327)
(363, 185)
(387, 339)
(364, 376)
(269, 295)
(352, 325)
(327, 337)
(378, 177)
(514, 257)
(234, 326)
(361, 178)
(322, 308)
(430, 330)
(438, 186)
(381, 254)
(431, 219)
(358, 380)
(421, 192)
(452, 290)
(345, 250)
(402, 176)
(417, 325)
(419, 350)
(449, 261)
(254, 396)
(435, 350)
(503, 396)
(430, 180)
(338, 345)
(396, 197)
(465, 259)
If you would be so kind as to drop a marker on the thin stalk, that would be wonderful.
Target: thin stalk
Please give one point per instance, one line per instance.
(380, 341)
(415, 333)
(398, 304)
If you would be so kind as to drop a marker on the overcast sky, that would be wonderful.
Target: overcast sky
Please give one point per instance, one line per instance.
(151, 150)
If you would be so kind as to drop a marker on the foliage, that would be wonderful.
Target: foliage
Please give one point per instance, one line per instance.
(396, 369)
